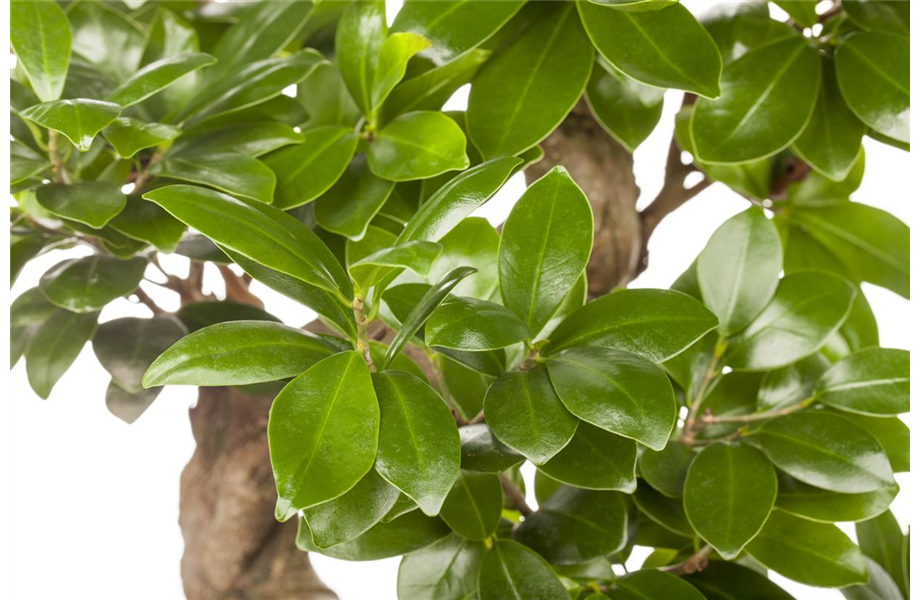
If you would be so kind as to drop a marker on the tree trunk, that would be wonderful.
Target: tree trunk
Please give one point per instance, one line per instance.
(234, 547)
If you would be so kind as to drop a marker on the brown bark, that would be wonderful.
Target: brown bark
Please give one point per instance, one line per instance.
(234, 547)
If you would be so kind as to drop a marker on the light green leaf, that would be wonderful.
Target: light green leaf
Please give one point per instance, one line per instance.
(418, 145)
(157, 76)
(326, 99)
(94, 203)
(359, 37)
(40, 37)
(128, 135)
(472, 324)
(252, 138)
(395, 53)
(230, 172)
(880, 587)
(87, 284)
(417, 256)
(510, 570)
(879, 15)
(106, 37)
(78, 120)
(473, 242)
(349, 206)
(802, 11)
(595, 459)
(54, 346)
(892, 433)
(474, 505)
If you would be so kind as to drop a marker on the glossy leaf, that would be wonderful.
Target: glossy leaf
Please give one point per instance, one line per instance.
(731, 581)
(596, 460)
(666, 48)
(545, 245)
(353, 513)
(349, 206)
(445, 570)
(481, 451)
(40, 37)
(230, 172)
(767, 98)
(418, 145)
(416, 256)
(881, 540)
(473, 242)
(322, 432)
(574, 526)
(125, 347)
(523, 411)
(511, 570)
(107, 38)
(627, 109)
(652, 583)
(875, 15)
(305, 171)
(666, 470)
(394, 56)
(94, 203)
(198, 315)
(128, 136)
(252, 138)
(156, 76)
(739, 269)
(824, 506)
(359, 36)
(474, 505)
(728, 495)
(875, 381)
(525, 90)
(54, 346)
(807, 308)
(789, 385)
(826, 451)
(892, 433)
(147, 222)
(471, 324)
(811, 553)
(326, 98)
(87, 284)
(618, 391)
(261, 233)
(880, 587)
(419, 448)
(78, 120)
(237, 353)
(656, 324)
(802, 11)
(666, 512)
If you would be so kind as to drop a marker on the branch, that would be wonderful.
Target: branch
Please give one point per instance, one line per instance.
(514, 495)
(238, 287)
(57, 165)
(710, 419)
(694, 563)
(149, 302)
(673, 193)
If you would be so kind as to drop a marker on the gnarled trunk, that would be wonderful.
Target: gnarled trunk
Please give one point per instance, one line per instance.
(234, 547)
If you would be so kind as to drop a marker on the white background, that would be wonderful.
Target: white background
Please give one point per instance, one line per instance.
(93, 502)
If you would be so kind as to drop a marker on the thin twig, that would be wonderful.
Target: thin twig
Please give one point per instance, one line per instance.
(237, 288)
(710, 419)
(514, 495)
(673, 193)
(149, 302)
(694, 563)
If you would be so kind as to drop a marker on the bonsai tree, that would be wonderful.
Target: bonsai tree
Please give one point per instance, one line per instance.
(728, 422)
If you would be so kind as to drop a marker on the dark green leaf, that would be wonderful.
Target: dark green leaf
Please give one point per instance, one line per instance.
(596, 460)
(348, 516)
(510, 570)
(666, 512)
(875, 381)
(650, 584)
(126, 347)
(147, 222)
(471, 324)
(54, 346)
(349, 206)
(473, 242)
(416, 256)
(891, 433)
(627, 109)
(879, 15)
(157, 76)
(815, 504)
(128, 135)
(107, 38)
(359, 36)
(666, 470)
(87, 284)
(802, 11)
(198, 315)
(731, 581)
(445, 570)
(474, 505)
(253, 138)
(880, 587)
(791, 384)
(231, 172)
(481, 451)
(78, 120)
(40, 37)
(418, 145)
(94, 203)
(325, 97)
(881, 540)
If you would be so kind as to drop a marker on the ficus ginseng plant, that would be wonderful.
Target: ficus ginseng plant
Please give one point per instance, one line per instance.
(729, 422)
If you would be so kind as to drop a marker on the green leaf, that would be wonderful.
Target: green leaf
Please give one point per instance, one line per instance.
(359, 36)
(523, 411)
(54, 346)
(739, 269)
(147, 222)
(106, 37)
(791, 384)
(646, 46)
(325, 97)
(418, 145)
(819, 191)
(417, 256)
(127, 406)
(815, 554)
(261, 233)
(419, 447)
(596, 460)
(252, 138)
(157, 76)
(353, 513)
(237, 353)
(802, 11)
(871, 243)
(423, 309)
(125, 347)
(832, 139)
(731, 581)
(78, 120)
(545, 245)
(879, 15)
(394, 56)
(892, 433)
(574, 526)
(87, 284)
(230, 172)
(457, 198)
(454, 27)
(665, 471)
(510, 570)
(728, 495)
(402, 535)
(481, 451)
(881, 540)
(815, 504)
(826, 451)
(471, 324)
(305, 171)
(618, 391)
(474, 505)
(874, 381)
(807, 308)
(651, 583)
(666, 512)
(874, 78)
(198, 315)
(94, 203)
(473, 242)
(322, 431)
(656, 324)
(40, 37)
(30, 308)
(528, 87)
(767, 98)
(880, 587)
(349, 206)
(445, 570)
(627, 109)
(128, 136)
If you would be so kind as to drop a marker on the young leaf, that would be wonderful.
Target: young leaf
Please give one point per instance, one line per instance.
(348, 207)
(644, 46)
(78, 120)
(395, 53)
(128, 136)
(510, 570)
(728, 495)
(618, 391)
(417, 256)
(474, 505)
(322, 431)
(595, 459)
(418, 145)
(254, 139)
(359, 36)
(656, 324)
(231, 172)
(237, 353)
(54, 346)
(471, 324)
(768, 97)
(545, 245)
(157, 76)
(305, 171)
(523, 92)
(827, 451)
(40, 37)
(811, 553)
(419, 447)
(445, 570)
(523, 411)
(89, 283)
(875, 381)
(126, 347)
(93, 203)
